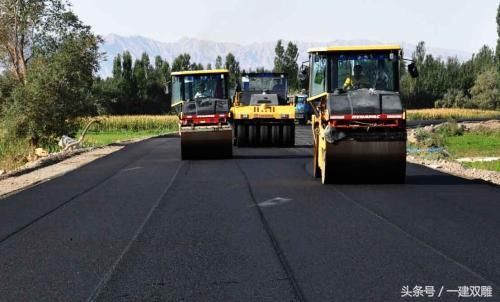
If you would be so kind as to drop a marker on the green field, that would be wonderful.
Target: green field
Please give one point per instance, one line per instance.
(473, 144)
(98, 139)
(109, 129)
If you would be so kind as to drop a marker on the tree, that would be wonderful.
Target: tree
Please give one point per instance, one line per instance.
(218, 62)
(117, 67)
(483, 60)
(286, 61)
(57, 90)
(182, 62)
(485, 92)
(279, 58)
(31, 27)
(209, 66)
(498, 45)
(234, 70)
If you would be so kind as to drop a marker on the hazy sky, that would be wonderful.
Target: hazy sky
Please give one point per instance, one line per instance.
(455, 24)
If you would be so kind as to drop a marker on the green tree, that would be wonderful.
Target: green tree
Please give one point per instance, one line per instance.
(498, 46)
(485, 92)
(218, 63)
(34, 27)
(57, 90)
(279, 58)
(234, 70)
(285, 60)
(182, 62)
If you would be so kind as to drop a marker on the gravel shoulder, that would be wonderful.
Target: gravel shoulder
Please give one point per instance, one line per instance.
(15, 184)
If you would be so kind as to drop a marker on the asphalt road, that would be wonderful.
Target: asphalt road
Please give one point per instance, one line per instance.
(141, 225)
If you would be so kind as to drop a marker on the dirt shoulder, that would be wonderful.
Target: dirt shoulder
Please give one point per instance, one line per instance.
(13, 184)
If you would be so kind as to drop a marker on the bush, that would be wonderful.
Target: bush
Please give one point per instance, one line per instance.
(450, 129)
(485, 93)
(454, 98)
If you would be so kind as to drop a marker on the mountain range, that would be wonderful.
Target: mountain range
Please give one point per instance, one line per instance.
(253, 55)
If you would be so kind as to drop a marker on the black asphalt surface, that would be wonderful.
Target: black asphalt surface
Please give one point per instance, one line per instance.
(141, 225)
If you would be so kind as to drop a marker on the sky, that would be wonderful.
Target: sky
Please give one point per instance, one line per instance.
(453, 24)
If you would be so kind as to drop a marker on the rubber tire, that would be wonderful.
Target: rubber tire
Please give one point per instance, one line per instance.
(241, 138)
(292, 138)
(185, 154)
(228, 152)
(275, 135)
(287, 135)
(264, 135)
(252, 135)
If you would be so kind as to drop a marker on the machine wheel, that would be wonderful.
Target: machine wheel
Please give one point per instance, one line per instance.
(287, 135)
(264, 135)
(241, 135)
(228, 152)
(275, 135)
(185, 154)
(292, 138)
(316, 169)
(252, 134)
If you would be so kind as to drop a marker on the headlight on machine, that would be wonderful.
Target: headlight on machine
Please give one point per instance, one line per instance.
(244, 116)
(285, 116)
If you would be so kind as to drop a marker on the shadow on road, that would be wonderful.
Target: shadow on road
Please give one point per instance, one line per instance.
(271, 156)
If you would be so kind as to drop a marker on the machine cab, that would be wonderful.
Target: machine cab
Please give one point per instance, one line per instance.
(260, 88)
(202, 92)
(358, 80)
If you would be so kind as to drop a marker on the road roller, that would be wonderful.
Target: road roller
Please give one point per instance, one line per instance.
(261, 113)
(201, 101)
(359, 120)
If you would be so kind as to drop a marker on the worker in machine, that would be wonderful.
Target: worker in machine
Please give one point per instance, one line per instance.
(381, 77)
(201, 91)
(357, 80)
(278, 85)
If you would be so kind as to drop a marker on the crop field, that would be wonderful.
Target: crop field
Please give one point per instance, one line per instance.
(451, 113)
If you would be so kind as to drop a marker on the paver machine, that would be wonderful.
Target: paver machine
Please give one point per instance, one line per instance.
(261, 112)
(303, 111)
(202, 103)
(359, 121)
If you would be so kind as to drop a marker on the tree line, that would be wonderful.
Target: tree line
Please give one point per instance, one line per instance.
(50, 59)
(453, 84)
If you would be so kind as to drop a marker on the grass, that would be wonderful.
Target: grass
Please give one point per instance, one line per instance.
(13, 155)
(110, 129)
(450, 113)
(489, 165)
(473, 144)
(98, 139)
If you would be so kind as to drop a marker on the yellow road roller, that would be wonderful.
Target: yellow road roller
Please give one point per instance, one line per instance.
(261, 113)
(201, 100)
(359, 121)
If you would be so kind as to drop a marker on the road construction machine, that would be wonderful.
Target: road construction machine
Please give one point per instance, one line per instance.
(201, 100)
(261, 113)
(303, 111)
(359, 121)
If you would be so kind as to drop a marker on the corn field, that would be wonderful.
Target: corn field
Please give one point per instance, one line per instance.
(133, 123)
(450, 113)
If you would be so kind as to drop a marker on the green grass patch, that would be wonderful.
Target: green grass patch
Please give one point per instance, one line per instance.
(487, 165)
(98, 139)
(473, 144)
